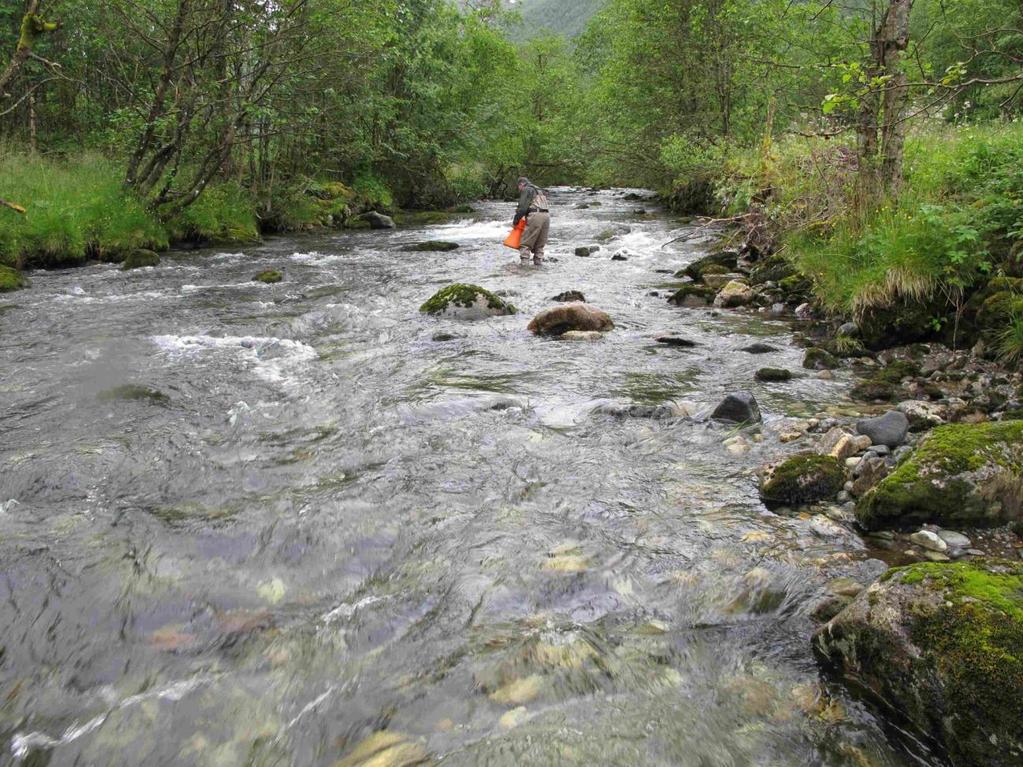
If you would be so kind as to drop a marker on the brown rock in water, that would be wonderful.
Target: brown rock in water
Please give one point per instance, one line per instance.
(575, 316)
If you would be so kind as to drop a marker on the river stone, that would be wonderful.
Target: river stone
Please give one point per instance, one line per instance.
(929, 540)
(570, 296)
(802, 479)
(961, 475)
(386, 749)
(741, 407)
(889, 429)
(587, 250)
(692, 296)
(574, 316)
(938, 646)
(923, 415)
(467, 302)
(759, 348)
(733, 295)
(955, 540)
(432, 246)
(621, 255)
(718, 281)
(678, 341)
(773, 375)
(849, 329)
(871, 471)
(269, 277)
(139, 259)
(727, 259)
(378, 220)
(819, 359)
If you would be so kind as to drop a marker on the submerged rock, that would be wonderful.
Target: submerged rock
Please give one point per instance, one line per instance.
(759, 348)
(575, 316)
(937, 647)
(741, 407)
(134, 392)
(802, 479)
(587, 250)
(582, 335)
(890, 429)
(269, 277)
(386, 749)
(467, 302)
(432, 246)
(570, 296)
(378, 220)
(683, 343)
(11, 279)
(139, 259)
(960, 475)
(819, 359)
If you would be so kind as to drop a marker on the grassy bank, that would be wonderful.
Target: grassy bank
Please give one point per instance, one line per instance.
(78, 210)
(932, 250)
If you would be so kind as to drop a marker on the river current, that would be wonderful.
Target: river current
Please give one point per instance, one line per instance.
(247, 524)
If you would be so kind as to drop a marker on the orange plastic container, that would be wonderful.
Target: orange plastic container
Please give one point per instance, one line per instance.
(515, 238)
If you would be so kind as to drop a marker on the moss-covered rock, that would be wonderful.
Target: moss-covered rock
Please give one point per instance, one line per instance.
(802, 479)
(726, 259)
(135, 393)
(961, 475)
(939, 648)
(819, 359)
(904, 321)
(873, 390)
(773, 375)
(693, 296)
(467, 302)
(773, 269)
(269, 277)
(139, 259)
(559, 320)
(11, 279)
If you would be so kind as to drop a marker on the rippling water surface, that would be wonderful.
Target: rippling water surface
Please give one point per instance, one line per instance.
(244, 524)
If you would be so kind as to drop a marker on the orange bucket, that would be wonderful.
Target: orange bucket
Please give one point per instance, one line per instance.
(515, 238)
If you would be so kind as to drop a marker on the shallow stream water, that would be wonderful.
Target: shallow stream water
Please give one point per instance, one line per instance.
(306, 520)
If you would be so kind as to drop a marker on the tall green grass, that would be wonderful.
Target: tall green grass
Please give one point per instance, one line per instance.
(76, 210)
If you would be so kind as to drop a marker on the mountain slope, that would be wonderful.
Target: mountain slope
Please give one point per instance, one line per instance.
(563, 17)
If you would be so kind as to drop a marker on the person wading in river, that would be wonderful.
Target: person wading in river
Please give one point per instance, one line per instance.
(533, 206)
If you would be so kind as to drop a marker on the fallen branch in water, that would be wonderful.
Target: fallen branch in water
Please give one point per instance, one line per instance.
(12, 206)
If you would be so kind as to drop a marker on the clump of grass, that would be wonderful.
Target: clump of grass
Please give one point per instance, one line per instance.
(223, 213)
(1010, 340)
(75, 210)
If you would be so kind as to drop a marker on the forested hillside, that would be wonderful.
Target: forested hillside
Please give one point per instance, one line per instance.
(567, 18)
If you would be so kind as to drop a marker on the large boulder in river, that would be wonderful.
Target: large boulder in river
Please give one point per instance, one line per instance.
(726, 259)
(890, 429)
(467, 302)
(937, 648)
(961, 475)
(574, 316)
(733, 295)
(740, 407)
(802, 479)
(378, 220)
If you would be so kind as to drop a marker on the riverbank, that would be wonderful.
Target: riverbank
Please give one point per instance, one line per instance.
(938, 262)
(78, 211)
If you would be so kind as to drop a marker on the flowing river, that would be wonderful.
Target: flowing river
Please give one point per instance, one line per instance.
(247, 524)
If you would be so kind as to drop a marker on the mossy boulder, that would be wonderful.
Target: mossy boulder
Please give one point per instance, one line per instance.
(961, 475)
(773, 269)
(802, 479)
(693, 296)
(139, 259)
(727, 260)
(873, 390)
(938, 648)
(467, 302)
(903, 321)
(269, 277)
(11, 279)
(819, 359)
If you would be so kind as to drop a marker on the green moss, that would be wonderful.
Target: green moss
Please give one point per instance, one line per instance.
(10, 279)
(873, 390)
(464, 296)
(715, 269)
(819, 359)
(795, 284)
(803, 479)
(269, 277)
(139, 259)
(976, 647)
(846, 346)
(930, 486)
